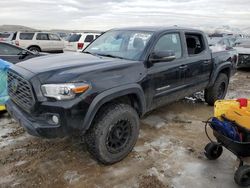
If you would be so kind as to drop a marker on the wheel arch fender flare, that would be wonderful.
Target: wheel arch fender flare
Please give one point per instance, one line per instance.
(109, 95)
(219, 69)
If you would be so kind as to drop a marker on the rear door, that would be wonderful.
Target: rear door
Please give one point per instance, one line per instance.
(56, 42)
(195, 73)
(43, 41)
(165, 76)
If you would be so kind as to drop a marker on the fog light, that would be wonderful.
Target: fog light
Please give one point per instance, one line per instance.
(55, 119)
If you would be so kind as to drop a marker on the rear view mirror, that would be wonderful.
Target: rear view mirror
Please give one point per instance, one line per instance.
(162, 56)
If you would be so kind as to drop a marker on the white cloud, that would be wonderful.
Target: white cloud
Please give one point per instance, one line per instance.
(101, 14)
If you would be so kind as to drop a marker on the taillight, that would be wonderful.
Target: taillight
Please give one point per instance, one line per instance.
(80, 45)
(17, 43)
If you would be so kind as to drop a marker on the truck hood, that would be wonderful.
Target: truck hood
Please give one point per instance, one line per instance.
(70, 67)
(63, 61)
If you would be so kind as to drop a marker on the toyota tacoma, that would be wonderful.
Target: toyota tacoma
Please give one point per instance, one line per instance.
(102, 92)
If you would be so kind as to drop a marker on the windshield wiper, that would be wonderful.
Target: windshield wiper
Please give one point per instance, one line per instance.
(109, 55)
(90, 53)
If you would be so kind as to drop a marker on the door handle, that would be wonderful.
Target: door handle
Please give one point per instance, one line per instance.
(207, 62)
(183, 67)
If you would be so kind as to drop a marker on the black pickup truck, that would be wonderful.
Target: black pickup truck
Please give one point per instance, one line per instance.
(102, 92)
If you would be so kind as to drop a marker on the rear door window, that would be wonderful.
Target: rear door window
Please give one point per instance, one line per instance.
(89, 38)
(54, 37)
(42, 36)
(26, 36)
(195, 43)
(74, 37)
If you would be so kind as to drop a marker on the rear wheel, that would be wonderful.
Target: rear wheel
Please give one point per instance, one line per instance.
(113, 134)
(34, 49)
(242, 176)
(218, 91)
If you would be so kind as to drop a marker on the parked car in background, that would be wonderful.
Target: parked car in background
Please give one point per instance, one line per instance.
(221, 43)
(6, 36)
(243, 49)
(15, 54)
(243, 42)
(39, 41)
(79, 41)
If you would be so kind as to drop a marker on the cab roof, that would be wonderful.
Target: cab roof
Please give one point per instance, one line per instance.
(157, 28)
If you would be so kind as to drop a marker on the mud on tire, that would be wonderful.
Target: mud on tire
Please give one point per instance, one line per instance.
(113, 133)
(218, 91)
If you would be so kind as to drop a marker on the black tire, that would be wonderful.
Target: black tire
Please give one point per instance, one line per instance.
(213, 151)
(34, 49)
(218, 91)
(113, 133)
(242, 176)
(3, 112)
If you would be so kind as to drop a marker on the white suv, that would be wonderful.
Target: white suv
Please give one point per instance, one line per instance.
(39, 41)
(79, 41)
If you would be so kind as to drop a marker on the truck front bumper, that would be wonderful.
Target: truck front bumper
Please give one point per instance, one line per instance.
(40, 125)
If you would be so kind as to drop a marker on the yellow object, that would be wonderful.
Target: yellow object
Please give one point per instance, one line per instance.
(232, 111)
(2, 108)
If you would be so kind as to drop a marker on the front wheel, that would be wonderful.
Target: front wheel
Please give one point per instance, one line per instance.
(113, 134)
(218, 91)
(213, 151)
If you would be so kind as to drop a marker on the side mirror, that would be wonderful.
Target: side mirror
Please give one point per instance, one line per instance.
(23, 54)
(162, 56)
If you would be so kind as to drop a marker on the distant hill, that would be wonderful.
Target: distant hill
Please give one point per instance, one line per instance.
(15, 28)
(4, 28)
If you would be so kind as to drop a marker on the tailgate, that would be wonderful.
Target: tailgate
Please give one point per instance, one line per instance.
(71, 46)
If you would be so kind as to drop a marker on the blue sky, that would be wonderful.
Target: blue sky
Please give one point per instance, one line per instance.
(105, 14)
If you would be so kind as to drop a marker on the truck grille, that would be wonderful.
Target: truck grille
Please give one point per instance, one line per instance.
(20, 91)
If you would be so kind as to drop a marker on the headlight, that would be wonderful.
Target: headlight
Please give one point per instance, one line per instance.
(64, 91)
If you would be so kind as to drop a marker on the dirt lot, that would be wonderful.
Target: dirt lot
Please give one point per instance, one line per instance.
(169, 153)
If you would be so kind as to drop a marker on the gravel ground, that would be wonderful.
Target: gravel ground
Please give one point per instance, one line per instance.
(169, 153)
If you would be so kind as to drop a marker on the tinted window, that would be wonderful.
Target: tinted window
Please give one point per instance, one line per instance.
(170, 42)
(195, 44)
(89, 38)
(6, 49)
(54, 37)
(74, 37)
(42, 36)
(4, 35)
(26, 36)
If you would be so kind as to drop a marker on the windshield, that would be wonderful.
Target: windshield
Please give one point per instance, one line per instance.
(120, 44)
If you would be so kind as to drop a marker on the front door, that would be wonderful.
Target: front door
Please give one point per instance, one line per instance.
(165, 77)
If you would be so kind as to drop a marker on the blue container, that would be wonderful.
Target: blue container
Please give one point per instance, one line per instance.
(4, 66)
(225, 128)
